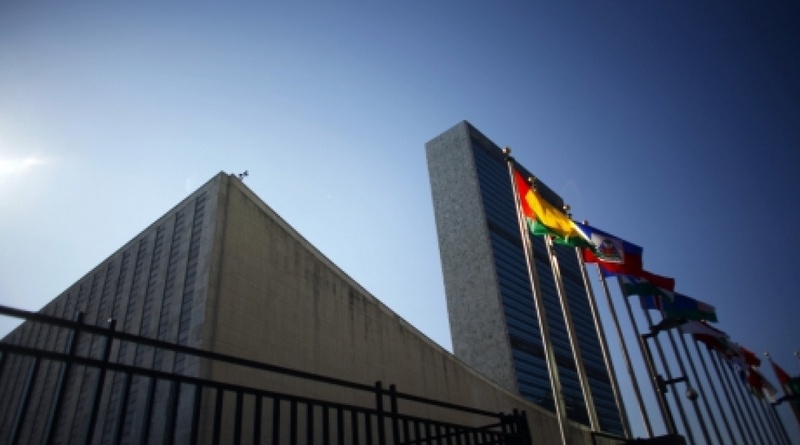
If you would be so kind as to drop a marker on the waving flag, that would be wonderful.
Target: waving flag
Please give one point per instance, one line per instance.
(615, 255)
(544, 218)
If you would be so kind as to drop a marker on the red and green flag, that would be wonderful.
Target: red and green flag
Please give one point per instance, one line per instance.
(545, 219)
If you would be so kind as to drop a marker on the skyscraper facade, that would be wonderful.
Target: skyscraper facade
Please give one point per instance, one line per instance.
(490, 303)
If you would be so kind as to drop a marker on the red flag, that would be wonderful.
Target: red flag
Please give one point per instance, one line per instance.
(782, 376)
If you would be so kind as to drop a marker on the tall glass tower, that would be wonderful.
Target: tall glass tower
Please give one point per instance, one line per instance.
(490, 304)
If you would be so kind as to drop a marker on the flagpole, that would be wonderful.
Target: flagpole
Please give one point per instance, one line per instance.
(573, 339)
(758, 421)
(666, 414)
(762, 403)
(727, 371)
(741, 421)
(724, 415)
(695, 405)
(766, 422)
(668, 372)
(740, 388)
(773, 408)
(769, 408)
(626, 356)
(781, 427)
(598, 325)
(700, 389)
(541, 316)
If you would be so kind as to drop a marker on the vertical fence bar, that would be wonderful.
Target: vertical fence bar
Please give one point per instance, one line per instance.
(394, 410)
(217, 433)
(276, 421)
(380, 415)
(198, 395)
(63, 380)
(148, 410)
(123, 403)
(354, 427)
(101, 379)
(293, 422)
(19, 417)
(237, 420)
(257, 416)
(368, 427)
(339, 426)
(326, 425)
(172, 413)
(309, 423)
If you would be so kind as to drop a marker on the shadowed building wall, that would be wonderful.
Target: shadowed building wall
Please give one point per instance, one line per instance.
(221, 271)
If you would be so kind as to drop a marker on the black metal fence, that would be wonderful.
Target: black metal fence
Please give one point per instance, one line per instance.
(59, 395)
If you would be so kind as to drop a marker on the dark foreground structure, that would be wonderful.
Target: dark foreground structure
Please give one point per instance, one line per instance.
(220, 324)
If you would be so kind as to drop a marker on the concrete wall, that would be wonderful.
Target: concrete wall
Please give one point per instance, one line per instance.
(474, 302)
(274, 298)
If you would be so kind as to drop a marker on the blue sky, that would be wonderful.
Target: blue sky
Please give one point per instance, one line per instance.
(671, 124)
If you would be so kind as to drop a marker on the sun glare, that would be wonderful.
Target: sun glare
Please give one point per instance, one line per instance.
(12, 166)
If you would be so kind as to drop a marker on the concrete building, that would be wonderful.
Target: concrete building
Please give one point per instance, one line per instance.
(222, 272)
(489, 297)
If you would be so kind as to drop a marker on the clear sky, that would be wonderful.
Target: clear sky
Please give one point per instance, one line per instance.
(668, 123)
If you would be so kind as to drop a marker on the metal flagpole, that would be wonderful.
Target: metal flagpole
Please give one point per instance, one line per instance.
(699, 387)
(735, 401)
(668, 372)
(758, 421)
(666, 414)
(747, 405)
(541, 316)
(598, 325)
(573, 339)
(689, 390)
(722, 412)
(770, 422)
(744, 428)
(776, 422)
(773, 410)
(766, 422)
(626, 357)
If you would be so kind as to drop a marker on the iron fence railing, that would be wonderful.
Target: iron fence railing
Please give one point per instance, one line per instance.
(122, 402)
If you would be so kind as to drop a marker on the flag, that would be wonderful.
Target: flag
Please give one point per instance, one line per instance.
(782, 376)
(713, 338)
(673, 304)
(749, 356)
(640, 286)
(769, 390)
(544, 218)
(658, 280)
(686, 308)
(615, 255)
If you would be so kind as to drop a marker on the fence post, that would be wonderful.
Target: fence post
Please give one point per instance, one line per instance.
(395, 413)
(63, 380)
(101, 379)
(19, 418)
(379, 408)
